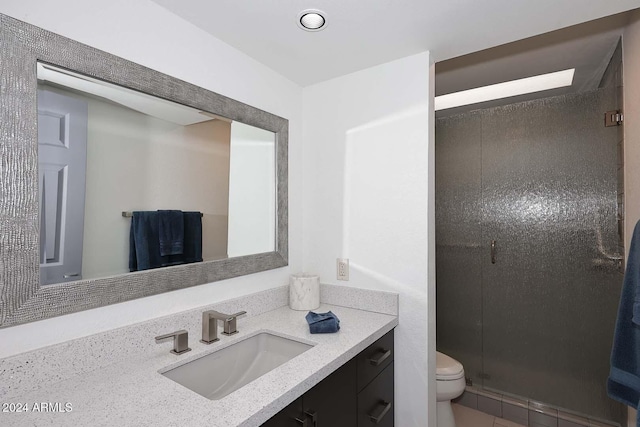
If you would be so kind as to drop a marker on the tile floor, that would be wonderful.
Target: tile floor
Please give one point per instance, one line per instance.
(467, 417)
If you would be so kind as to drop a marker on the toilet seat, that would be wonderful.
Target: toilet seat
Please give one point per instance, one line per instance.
(448, 368)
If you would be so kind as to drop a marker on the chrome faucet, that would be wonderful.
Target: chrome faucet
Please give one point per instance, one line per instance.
(180, 341)
(210, 325)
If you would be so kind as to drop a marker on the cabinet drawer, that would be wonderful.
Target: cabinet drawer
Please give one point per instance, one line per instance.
(374, 359)
(376, 402)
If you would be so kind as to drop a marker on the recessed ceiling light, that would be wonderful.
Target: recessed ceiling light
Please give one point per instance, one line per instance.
(506, 89)
(312, 20)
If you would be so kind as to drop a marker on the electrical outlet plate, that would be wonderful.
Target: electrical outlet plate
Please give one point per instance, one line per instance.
(343, 269)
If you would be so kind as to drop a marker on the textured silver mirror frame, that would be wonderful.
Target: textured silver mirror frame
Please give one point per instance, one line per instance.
(22, 299)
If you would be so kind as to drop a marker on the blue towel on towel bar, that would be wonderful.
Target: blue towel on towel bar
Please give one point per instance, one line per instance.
(192, 237)
(322, 323)
(624, 376)
(171, 232)
(144, 241)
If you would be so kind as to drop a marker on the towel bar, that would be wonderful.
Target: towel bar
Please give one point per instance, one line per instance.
(130, 214)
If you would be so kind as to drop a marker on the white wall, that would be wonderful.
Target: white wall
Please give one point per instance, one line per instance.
(431, 252)
(138, 162)
(146, 33)
(252, 190)
(631, 82)
(366, 160)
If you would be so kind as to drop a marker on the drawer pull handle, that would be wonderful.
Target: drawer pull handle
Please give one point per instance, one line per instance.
(314, 417)
(381, 358)
(377, 418)
(303, 423)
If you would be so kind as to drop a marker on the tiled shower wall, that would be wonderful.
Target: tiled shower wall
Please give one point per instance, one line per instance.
(613, 76)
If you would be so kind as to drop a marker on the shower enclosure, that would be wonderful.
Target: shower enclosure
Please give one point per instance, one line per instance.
(528, 279)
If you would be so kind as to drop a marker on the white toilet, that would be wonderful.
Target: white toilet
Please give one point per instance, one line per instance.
(450, 384)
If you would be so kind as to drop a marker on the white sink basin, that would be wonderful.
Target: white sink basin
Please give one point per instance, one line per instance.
(217, 374)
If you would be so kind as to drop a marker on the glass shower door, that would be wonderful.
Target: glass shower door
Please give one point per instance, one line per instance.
(550, 293)
(458, 241)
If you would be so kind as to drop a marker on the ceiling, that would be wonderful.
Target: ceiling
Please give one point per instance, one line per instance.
(361, 34)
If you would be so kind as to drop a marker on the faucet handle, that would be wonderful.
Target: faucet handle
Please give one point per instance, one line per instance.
(221, 316)
(229, 324)
(233, 316)
(180, 341)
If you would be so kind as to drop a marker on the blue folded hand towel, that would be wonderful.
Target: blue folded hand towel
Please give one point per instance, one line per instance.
(322, 323)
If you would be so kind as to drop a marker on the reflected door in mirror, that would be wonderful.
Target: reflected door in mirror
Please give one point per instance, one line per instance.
(62, 152)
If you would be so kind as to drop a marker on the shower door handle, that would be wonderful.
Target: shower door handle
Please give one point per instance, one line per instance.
(493, 252)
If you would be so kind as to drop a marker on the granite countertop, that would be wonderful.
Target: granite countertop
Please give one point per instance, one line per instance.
(132, 392)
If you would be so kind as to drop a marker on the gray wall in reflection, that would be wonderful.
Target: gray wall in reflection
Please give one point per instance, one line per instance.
(539, 178)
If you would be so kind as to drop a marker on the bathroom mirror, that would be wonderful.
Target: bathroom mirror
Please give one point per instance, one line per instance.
(105, 151)
(25, 52)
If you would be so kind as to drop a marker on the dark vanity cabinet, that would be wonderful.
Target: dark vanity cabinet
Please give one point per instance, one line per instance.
(375, 383)
(358, 394)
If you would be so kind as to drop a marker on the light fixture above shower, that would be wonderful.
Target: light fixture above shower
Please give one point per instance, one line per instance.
(506, 89)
